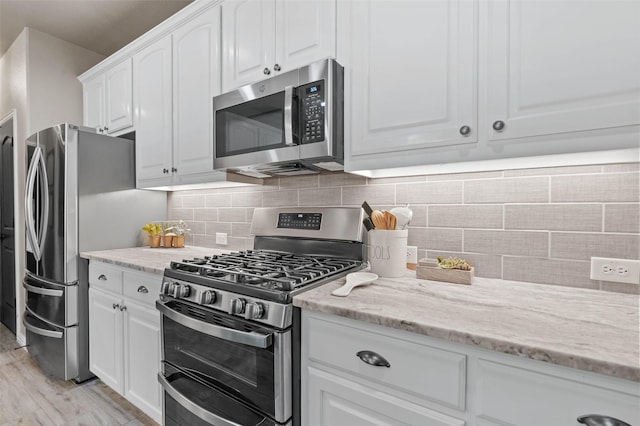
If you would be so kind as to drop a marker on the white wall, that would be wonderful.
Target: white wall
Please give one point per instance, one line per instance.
(38, 79)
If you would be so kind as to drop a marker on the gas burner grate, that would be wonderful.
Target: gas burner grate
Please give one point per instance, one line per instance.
(273, 270)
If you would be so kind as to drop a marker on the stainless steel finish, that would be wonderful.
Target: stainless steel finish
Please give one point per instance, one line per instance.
(275, 314)
(43, 291)
(181, 290)
(41, 331)
(465, 130)
(37, 169)
(237, 306)
(337, 223)
(279, 160)
(205, 415)
(143, 289)
(288, 123)
(207, 297)
(67, 309)
(254, 310)
(243, 337)
(498, 125)
(266, 71)
(102, 277)
(282, 374)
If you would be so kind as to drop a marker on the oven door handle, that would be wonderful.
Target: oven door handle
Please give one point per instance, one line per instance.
(194, 408)
(243, 337)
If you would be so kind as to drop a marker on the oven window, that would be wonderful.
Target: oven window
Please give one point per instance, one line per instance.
(243, 371)
(255, 125)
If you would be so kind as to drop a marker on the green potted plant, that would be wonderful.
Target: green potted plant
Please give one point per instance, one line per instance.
(155, 231)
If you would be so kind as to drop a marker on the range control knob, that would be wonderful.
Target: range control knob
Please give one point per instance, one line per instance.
(181, 290)
(168, 288)
(237, 306)
(208, 297)
(254, 310)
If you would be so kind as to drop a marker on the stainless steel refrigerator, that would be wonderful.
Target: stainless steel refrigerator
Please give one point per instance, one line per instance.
(80, 196)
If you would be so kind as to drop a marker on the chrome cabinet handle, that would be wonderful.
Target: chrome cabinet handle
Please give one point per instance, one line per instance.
(116, 306)
(498, 125)
(165, 171)
(465, 130)
(174, 170)
(102, 277)
(106, 129)
(123, 308)
(266, 71)
(373, 358)
(142, 289)
(599, 420)
(276, 67)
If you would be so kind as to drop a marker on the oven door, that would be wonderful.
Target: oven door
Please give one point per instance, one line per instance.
(257, 124)
(249, 362)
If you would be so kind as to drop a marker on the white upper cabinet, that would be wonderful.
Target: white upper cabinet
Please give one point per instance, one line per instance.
(196, 79)
(411, 75)
(562, 66)
(262, 38)
(108, 99)
(153, 106)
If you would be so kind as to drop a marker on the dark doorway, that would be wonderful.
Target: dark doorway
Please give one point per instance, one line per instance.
(7, 248)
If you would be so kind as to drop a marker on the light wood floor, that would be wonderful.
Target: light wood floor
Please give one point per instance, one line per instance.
(27, 397)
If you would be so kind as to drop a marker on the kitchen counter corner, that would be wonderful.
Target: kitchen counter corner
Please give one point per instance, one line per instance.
(585, 329)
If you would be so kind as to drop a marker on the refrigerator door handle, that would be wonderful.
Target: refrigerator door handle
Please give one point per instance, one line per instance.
(44, 216)
(41, 331)
(43, 291)
(29, 217)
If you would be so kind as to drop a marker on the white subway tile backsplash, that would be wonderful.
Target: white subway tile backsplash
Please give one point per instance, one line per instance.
(559, 217)
(479, 216)
(507, 190)
(538, 225)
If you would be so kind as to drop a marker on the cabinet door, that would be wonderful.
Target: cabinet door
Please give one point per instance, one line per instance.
(411, 77)
(562, 66)
(93, 102)
(337, 401)
(153, 103)
(119, 113)
(105, 338)
(248, 37)
(142, 358)
(196, 50)
(305, 32)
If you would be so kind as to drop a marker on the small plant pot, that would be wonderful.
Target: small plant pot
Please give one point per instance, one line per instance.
(167, 241)
(178, 241)
(154, 241)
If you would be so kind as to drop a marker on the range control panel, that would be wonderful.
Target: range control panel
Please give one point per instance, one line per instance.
(300, 220)
(312, 106)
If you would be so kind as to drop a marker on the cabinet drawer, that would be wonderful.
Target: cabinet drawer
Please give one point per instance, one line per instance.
(105, 276)
(142, 287)
(416, 368)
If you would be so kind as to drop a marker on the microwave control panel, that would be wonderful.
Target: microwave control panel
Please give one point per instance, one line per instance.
(312, 107)
(300, 220)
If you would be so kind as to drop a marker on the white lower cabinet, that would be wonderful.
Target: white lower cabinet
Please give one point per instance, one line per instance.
(424, 381)
(124, 334)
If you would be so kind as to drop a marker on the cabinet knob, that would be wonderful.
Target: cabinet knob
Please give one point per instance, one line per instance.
(465, 130)
(165, 171)
(174, 170)
(373, 358)
(598, 420)
(276, 67)
(142, 289)
(266, 71)
(498, 125)
(102, 277)
(115, 306)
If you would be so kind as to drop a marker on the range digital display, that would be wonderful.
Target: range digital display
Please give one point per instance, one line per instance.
(300, 220)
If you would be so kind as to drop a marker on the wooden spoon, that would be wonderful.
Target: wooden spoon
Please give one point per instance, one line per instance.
(391, 220)
(379, 220)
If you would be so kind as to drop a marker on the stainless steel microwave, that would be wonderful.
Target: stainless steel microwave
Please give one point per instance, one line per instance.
(290, 124)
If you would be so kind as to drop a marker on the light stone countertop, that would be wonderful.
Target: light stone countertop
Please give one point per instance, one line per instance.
(591, 330)
(146, 259)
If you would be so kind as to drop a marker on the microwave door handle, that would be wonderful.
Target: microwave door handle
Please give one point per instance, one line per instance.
(288, 116)
(44, 217)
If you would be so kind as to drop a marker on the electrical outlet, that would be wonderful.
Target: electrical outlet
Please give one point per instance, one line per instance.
(221, 238)
(618, 270)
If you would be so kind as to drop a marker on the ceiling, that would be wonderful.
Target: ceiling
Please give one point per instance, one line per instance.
(103, 26)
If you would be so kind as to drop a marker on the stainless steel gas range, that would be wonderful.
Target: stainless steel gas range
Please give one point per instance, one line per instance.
(230, 334)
